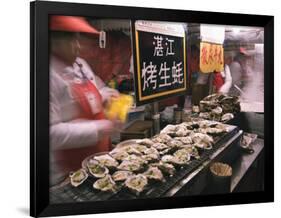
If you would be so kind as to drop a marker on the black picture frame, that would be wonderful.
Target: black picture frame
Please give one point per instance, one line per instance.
(39, 107)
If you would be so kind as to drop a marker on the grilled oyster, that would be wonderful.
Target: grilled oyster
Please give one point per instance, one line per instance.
(184, 140)
(130, 149)
(140, 148)
(160, 146)
(154, 173)
(193, 152)
(136, 183)
(96, 169)
(201, 137)
(166, 168)
(78, 177)
(128, 165)
(169, 129)
(161, 138)
(173, 160)
(136, 158)
(203, 145)
(118, 154)
(147, 142)
(151, 157)
(121, 175)
(105, 184)
(174, 143)
(106, 160)
(182, 155)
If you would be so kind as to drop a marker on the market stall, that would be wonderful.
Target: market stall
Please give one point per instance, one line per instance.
(172, 151)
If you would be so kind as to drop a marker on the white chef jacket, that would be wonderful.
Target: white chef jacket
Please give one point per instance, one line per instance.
(67, 130)
(226, 75)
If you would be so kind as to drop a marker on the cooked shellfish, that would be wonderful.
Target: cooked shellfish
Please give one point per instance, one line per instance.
(97, 170)
(136, 183)
(154, 173)
(106, 160)
(105, 184)
(78, 177)
(121, 175)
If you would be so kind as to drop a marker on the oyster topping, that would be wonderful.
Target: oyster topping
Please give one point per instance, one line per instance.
(97, 170)
(173, 160)
(136, 183)
(132, 166)
(182, 155)
(78, 177)
(121, 175)
(106, 160)
(193, 152)
(136, 158)
(154, 173)
(105, 184)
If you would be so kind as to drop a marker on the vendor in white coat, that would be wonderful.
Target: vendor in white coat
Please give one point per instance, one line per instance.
(78, 126)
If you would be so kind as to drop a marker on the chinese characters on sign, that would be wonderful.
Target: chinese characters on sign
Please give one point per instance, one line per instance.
(161, 65)
(211, 57)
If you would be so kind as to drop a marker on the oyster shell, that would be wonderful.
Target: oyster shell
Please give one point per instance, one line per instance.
(136, 183)
(130, 149)
(166, 168)
(136, 158)
(169, 129)
(161, 138)
(201, 137)
(226, 117)
(184, 140)
(106, 160)
(173, 160)
(147, 142)
(128, 165)
(118, 154)
(181, 131)
(154, 173)
(182, 155)
(160, 146)
(105, 184)
(78, 177)
(193, 152)
(174, 143)
(217, 110)
(121, 175)
(203, 145)
(96, 169)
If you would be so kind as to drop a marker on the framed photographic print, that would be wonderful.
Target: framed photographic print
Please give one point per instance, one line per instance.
(141, 109)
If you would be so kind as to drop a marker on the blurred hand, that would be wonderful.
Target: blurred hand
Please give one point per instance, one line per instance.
(108, 94)
(107, 127)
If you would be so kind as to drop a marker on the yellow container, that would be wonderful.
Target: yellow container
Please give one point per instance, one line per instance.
(118, 108)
